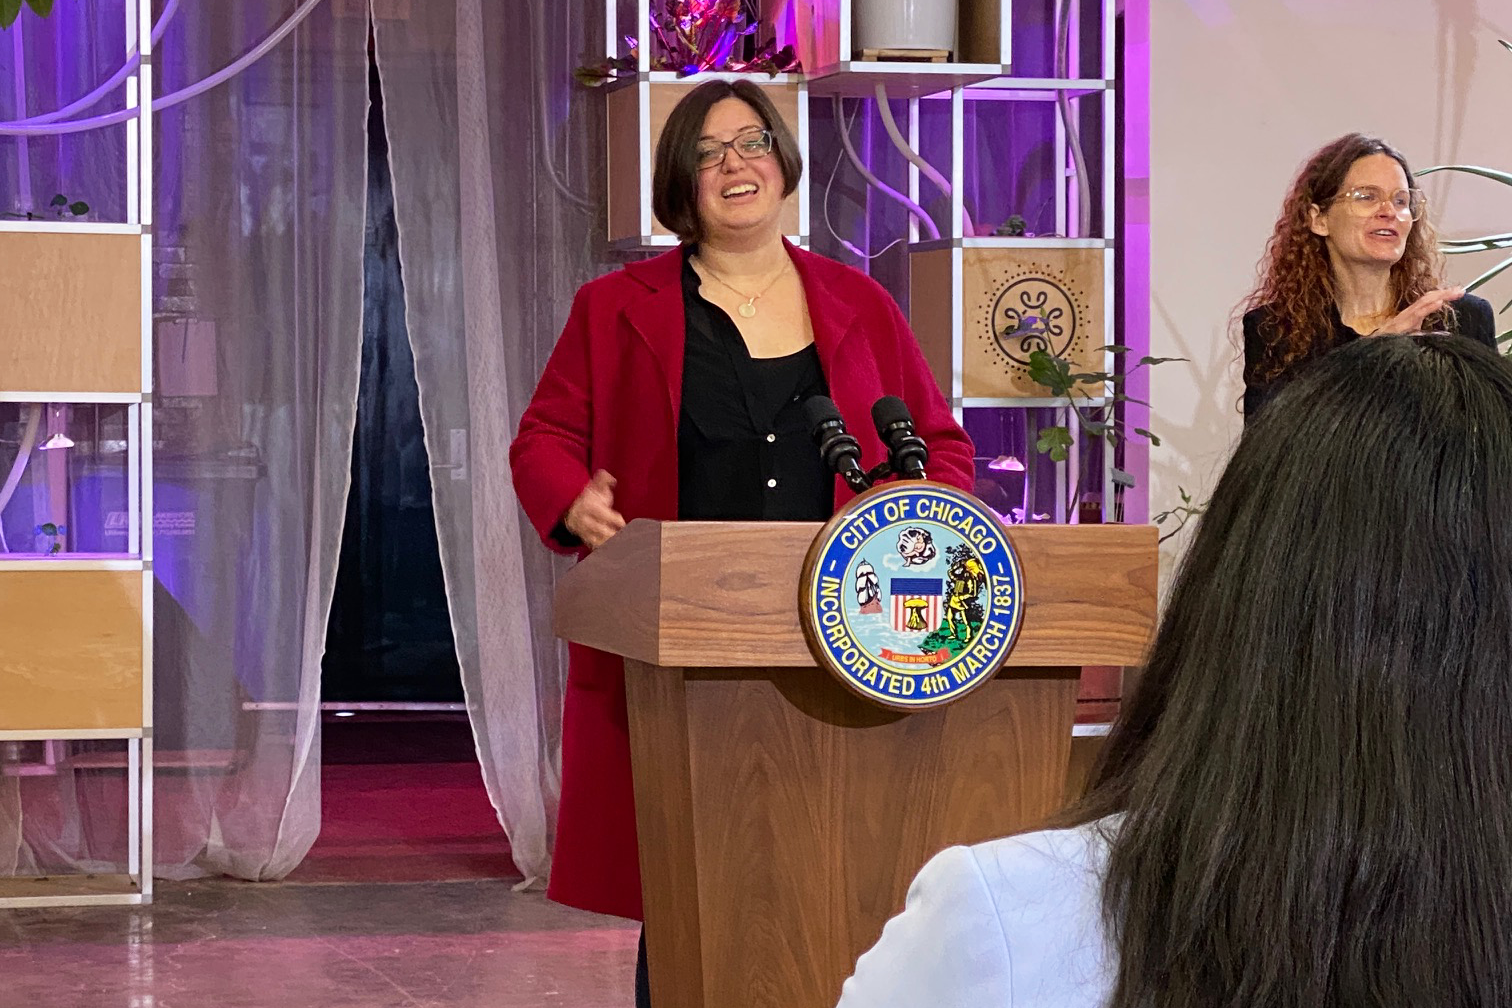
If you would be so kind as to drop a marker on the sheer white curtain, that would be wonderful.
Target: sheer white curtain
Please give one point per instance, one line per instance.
(258, 247)
(489, 141)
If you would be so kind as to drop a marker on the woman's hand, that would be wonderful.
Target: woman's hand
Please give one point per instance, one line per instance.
(1410, 319)
(592, 517)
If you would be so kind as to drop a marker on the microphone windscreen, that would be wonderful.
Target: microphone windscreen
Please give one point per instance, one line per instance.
(819, 410)
(890, 410)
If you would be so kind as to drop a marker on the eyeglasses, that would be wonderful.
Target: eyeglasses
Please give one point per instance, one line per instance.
(750, 146)
(1362, 201)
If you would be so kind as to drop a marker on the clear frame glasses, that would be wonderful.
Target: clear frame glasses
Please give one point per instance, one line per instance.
(750, 145)
(1362, 201)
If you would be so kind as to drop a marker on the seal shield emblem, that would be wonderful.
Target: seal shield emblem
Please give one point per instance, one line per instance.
(912, 595)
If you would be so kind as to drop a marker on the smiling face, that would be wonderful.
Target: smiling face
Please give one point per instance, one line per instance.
(1379, 238)
(737, 196)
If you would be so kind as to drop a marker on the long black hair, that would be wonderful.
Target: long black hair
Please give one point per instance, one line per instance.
(1315, 769)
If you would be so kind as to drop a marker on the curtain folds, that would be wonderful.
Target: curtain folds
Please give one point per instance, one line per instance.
(258, 246)
(482, 120)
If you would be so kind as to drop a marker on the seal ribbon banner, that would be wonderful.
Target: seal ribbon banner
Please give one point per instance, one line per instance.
(912, 595)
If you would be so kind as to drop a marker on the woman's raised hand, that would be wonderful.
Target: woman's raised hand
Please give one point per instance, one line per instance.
(1410, 319)
(592, 517)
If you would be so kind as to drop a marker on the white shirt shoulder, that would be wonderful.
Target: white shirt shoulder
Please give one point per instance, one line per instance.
(1015, 923)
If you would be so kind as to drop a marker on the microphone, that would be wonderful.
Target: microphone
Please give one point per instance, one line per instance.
(905, 450)
(840, 451)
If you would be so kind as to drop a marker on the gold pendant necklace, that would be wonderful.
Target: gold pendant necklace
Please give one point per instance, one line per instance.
(747, 310)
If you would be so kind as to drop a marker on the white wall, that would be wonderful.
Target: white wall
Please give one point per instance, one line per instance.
(1241, 92)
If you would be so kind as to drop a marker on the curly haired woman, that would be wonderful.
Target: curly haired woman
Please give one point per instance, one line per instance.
(1352, 255)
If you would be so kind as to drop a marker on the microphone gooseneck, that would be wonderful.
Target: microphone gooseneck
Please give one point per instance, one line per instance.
(905, 450)
(839, 449)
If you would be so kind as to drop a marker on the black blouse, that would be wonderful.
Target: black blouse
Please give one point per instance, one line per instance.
(744, 451)
(1472, 318)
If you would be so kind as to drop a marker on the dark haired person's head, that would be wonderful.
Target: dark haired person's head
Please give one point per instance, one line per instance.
(725, 161)
(1355, 202)
(1316, 766)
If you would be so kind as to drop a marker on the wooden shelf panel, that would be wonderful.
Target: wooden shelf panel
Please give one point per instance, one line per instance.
(74, 650)
(70, 890)
(859, 78)
(75, 302)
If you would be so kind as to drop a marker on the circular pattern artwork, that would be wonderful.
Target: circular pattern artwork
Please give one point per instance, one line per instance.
(1035, 307)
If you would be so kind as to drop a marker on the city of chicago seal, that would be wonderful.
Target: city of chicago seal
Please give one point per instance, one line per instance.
(912, 595)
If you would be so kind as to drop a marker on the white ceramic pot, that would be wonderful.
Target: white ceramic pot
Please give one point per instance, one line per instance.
(904, 24)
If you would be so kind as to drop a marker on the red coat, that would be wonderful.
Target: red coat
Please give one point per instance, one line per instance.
(610, 399)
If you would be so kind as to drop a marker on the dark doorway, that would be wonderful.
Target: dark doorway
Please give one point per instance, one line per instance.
(389, 639)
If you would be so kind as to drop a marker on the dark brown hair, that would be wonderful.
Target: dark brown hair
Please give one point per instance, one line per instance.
(674, 179)
(1315, 769)
(1296, 282)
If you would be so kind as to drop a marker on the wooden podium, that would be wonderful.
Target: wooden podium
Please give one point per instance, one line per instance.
(781, 817)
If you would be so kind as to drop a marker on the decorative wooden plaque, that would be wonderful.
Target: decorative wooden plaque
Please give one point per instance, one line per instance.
(1013, 301)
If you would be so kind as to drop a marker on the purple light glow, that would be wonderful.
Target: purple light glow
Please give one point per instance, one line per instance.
(1135, 238)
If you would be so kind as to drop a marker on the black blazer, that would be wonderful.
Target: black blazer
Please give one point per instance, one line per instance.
(1472, 317)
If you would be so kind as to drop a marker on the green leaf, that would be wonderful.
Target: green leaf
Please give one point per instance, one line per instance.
(1491, 173)
(1505, 44)
(1125, 397)
(9, 11)
(1050, 372)
(1490, 274)
(1055, 442)
(1146, 434)
(592, 75)
(1097, 428)
(58, 200)
(41, 8)
(1143, 361)
(78, 208)
(1114, 348)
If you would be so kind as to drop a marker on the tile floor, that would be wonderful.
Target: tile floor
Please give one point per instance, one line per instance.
(228, 944)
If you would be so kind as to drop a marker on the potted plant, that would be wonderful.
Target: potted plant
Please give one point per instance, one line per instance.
(695, 36)
(1094, 399)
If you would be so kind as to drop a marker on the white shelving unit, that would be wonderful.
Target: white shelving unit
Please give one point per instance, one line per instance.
(951, 339)
(79, 626)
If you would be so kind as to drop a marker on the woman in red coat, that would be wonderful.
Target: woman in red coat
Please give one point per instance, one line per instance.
(676, 392)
